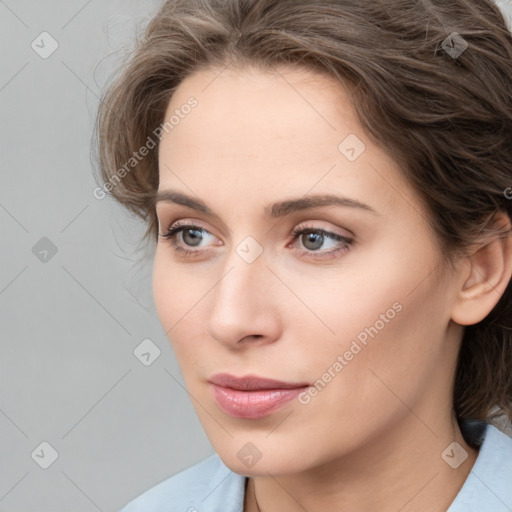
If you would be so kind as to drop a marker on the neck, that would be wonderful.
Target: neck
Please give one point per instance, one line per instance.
(401, 469)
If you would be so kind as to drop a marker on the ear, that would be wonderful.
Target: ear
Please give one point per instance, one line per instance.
(485, 276)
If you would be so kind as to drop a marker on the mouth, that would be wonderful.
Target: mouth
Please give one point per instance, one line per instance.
(252, 397)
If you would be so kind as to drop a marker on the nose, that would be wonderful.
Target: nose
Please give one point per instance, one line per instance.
(244, 307)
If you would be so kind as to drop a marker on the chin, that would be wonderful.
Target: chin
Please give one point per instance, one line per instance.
(249, 461)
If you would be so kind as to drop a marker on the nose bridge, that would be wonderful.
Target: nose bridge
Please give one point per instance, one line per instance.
(239, 290)
(241, 302)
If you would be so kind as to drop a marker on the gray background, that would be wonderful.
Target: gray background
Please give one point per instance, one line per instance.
(72, 320)
(70, 324)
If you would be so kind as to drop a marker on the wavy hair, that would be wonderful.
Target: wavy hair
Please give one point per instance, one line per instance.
(431, 83)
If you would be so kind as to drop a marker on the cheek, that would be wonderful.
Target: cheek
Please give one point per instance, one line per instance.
(385, 349)
(164, 280)
(344, 305)
(387, 327)
(175, 294)
(175, 291)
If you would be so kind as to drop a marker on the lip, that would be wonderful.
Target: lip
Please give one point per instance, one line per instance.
(252, 397)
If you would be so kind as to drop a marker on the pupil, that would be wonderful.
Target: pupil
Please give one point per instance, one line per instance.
(195, 239)
(314, 237)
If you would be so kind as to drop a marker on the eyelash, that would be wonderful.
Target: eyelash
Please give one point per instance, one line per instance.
(296, 233)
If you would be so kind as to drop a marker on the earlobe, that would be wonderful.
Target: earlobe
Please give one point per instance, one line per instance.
(490, 270)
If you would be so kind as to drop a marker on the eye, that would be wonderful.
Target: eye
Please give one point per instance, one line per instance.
(190, 235)
(313, 239)
(182, 236)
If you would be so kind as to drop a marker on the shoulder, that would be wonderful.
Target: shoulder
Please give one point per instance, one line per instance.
(488, 486)
(204, 487)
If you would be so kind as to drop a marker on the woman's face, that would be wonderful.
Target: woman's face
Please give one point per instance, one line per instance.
(357, 308)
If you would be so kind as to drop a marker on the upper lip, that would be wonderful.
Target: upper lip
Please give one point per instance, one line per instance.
(252, 382)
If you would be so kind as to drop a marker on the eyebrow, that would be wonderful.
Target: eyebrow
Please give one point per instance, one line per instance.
(275, 210)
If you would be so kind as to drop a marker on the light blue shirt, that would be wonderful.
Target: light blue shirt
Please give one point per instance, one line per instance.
(210, 486)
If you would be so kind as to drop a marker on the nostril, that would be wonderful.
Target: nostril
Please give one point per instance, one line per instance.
(251, 337)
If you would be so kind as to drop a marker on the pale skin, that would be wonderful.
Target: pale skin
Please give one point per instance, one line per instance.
(373, 438)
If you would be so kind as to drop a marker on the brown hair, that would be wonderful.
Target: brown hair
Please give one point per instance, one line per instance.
(445, 117)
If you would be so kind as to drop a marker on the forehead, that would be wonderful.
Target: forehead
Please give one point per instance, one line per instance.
(254, 130)
(257, 111)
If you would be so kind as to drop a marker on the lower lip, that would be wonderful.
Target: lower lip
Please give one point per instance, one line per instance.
(253, 404)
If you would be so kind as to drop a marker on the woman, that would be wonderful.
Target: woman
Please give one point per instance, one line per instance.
(328, 186)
